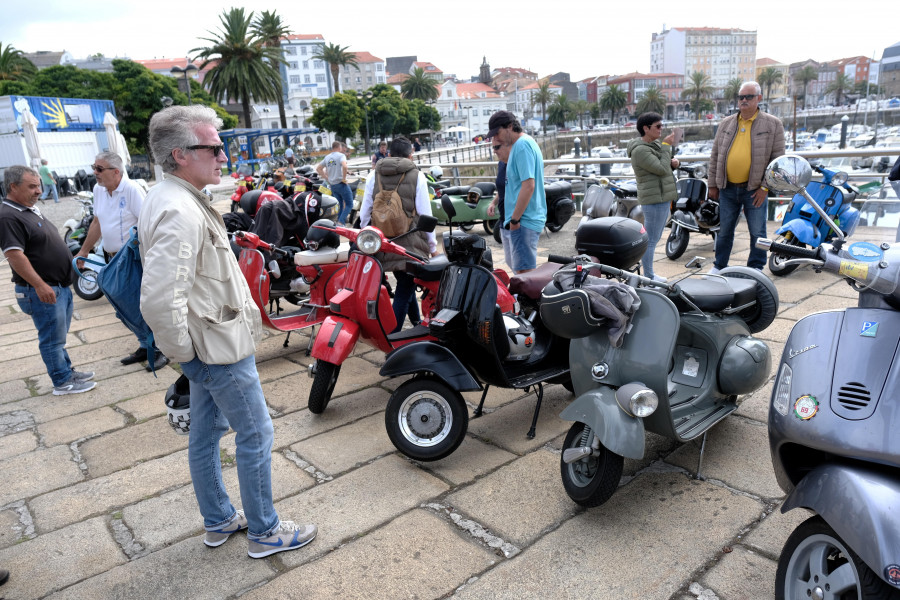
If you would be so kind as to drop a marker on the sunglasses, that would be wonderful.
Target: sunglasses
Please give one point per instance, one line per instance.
(216, 148)
(747, 97)
(657, 126)
(100, 169)
(497, 147)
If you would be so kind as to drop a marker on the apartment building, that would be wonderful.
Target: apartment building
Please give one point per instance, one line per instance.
(723, 54)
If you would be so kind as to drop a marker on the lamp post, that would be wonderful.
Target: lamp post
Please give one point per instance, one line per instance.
(186, 73)
(468, 109)
(366, 98)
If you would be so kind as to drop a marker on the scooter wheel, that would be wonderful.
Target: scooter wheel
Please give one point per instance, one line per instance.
(554, 227)
(489, 226)
(776, 261)
(323, 386)
(592, 480)
(496, 234)
(467, 226)
(87, 287)
(801, 567)
(677, 242)
(425, 419)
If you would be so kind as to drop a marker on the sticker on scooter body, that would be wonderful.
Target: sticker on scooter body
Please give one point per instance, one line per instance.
(865, 251)
(806, 407)
(855, 270)
(869, 329)
(892, 574)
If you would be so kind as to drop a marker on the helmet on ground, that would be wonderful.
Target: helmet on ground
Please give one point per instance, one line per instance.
(436, 171)
(252, 200)
(178, 405)
(317, 237)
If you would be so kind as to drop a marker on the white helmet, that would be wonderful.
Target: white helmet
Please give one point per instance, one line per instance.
(178, 405)
(436, 171)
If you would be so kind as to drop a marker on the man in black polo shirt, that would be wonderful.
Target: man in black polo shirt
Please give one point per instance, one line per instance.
(42, 272)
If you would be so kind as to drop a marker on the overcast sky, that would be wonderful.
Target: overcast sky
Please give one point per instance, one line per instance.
(583, 38)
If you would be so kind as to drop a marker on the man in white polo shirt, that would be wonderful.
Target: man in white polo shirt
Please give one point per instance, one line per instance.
(117, 206)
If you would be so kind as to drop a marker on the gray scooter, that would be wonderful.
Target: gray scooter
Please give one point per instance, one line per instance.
(833, 420)
(678, 372)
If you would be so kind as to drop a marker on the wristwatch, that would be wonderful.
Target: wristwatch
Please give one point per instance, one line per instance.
(514, 221)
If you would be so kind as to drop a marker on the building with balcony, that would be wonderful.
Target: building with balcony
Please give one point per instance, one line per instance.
(670, 86)
(467, 108)
(304, 76)
(723, 54)
(371, 72)
(525, 107)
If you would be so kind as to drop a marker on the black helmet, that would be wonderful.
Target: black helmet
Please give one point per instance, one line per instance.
(178, 405)
(252, 200)
(318, 206)
(317, 238)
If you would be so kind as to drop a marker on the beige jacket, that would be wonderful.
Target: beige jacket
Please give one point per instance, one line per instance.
(193, 295)
(766, 144)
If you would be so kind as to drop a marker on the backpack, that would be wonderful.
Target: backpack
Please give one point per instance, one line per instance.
(387, 210)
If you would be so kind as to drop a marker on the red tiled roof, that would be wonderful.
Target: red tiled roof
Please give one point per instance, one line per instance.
(166, 64)
(366, 57)
(398, 78)
(429, 68)
(535, 85)
(304, 36)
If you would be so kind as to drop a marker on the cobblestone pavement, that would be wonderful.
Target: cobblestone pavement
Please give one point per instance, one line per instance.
(96, 499)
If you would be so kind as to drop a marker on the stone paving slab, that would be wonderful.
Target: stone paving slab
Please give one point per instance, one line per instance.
(742, 575)
(76, 427)
(144, 407)
(10, 391)
(818, 303)
(56, 466)
(469, 462)
(605, 552)
(341, 449)
(416, 544)
(769, 537)
(127, 447)
(54, 561)
(10, 528)
(17, 443)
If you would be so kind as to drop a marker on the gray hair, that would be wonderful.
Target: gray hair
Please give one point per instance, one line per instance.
(173, 128)
(14, 175)
(114, 160)
(754, 84)
(43, 161)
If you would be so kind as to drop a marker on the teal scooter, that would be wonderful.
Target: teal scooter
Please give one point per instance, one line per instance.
(471, 204)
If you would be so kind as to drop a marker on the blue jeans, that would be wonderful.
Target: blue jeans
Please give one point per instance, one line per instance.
(48, 187)
(405, 300)
(52, 322)
(732, 200)
(223, 395)
(344, 196)
(655, 216)
(520, 248)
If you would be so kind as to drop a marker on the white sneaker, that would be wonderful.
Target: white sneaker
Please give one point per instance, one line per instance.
(288, 536)
(714, 271)
(659, 278)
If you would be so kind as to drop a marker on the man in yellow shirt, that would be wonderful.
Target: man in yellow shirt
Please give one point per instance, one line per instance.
(745, 144)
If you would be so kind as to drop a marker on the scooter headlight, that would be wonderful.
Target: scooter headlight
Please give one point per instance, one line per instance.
(781, 400)
(839, 179)
(637, 400)
(368, 241)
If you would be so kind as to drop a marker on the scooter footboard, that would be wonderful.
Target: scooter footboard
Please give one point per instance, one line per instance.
(618, 432)
(860, 504)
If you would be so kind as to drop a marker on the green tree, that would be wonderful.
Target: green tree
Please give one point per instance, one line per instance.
(582, 109)
(732, 89)
(652, 101)
(14, 66)
(269, 28)
(69, 82)
(245, 66)
(336, 57)
(595, 113)
(861, 88)
(407, 119)
(560, 110)
(697, 89)
(341, 114)
(768, 78)
(803, 77)
(420, 86)
(840, 86)
(613, 100)
(429, 117)
(542, 97)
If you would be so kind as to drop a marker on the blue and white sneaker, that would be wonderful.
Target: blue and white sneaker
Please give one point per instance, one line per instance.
(82, 375)
(217, 537)
(288, 536)
(73, 386)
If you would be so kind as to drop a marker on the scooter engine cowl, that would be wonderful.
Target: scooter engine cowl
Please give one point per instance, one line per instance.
(744, 366)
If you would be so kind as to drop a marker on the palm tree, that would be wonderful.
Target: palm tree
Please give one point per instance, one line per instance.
(595, 113)
(769, 77)
(697, 90)
(419, 86)
(269, 28)
(804, 76)
(581, 108)
(560, 110)
(336, 57)
(652, 101)
(613, 100)
(839, 86)
(543, 97)
(732, 89)
(14, 66)
(244, 66)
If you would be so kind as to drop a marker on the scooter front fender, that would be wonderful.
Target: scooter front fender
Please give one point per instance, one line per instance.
(860, 504)
(335, 340)
(428, 356)
(686, 220)
(802, 230)
(617, 431)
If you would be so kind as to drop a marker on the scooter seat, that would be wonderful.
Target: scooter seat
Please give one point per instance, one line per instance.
(456, 190)
(557, 189)
(627, 190)
(715, 293)
(430, 271)
(532, 283)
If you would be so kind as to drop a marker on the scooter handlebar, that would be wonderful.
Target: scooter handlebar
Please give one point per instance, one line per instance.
(790, 250)
(562, 260)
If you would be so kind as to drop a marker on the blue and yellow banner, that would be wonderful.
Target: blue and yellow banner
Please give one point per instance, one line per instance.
(64, 114)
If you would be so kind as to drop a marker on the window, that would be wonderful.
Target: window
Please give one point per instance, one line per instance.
(379, 67)
(369, 79)
(486, 112)
(294, 124)
(322, 92)
(318, 64)
(303, 50)
(381, 79)
(290, 50)
(295, 79)
(346, 80)
(305, 63)
(275, 124)
(359, 80)
(320, 78)
(292, 64)
(306, 79)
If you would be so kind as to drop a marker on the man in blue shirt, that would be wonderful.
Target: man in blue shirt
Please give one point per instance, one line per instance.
(525, 210)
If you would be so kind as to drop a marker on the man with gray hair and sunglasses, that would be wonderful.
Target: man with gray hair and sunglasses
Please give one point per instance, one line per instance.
(117, 205)
(198, 305)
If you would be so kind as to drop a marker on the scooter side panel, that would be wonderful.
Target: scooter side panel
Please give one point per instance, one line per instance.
(335, 340)
(428, 356)
(860, 504)
(620, 433)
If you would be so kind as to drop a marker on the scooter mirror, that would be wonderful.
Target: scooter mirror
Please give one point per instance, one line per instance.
(426, 223)
(788, 173)
(447, 205)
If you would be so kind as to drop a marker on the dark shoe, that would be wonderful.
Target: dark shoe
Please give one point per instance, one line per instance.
(137, 356)
(160, 362)
(4, 576)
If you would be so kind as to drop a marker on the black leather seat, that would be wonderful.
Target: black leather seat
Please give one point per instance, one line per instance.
(714, 294)
(456, 190)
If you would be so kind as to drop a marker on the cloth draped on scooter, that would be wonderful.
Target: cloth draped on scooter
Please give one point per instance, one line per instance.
(612, 303)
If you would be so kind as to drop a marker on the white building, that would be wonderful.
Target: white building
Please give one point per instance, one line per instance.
(305, 76)
(529, 111)
(723, 54)
(469, 106)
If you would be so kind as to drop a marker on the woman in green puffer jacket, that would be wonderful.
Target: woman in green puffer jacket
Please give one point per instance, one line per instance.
(653, 165)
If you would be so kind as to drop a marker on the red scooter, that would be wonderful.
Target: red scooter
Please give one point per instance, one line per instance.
(362, 309)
